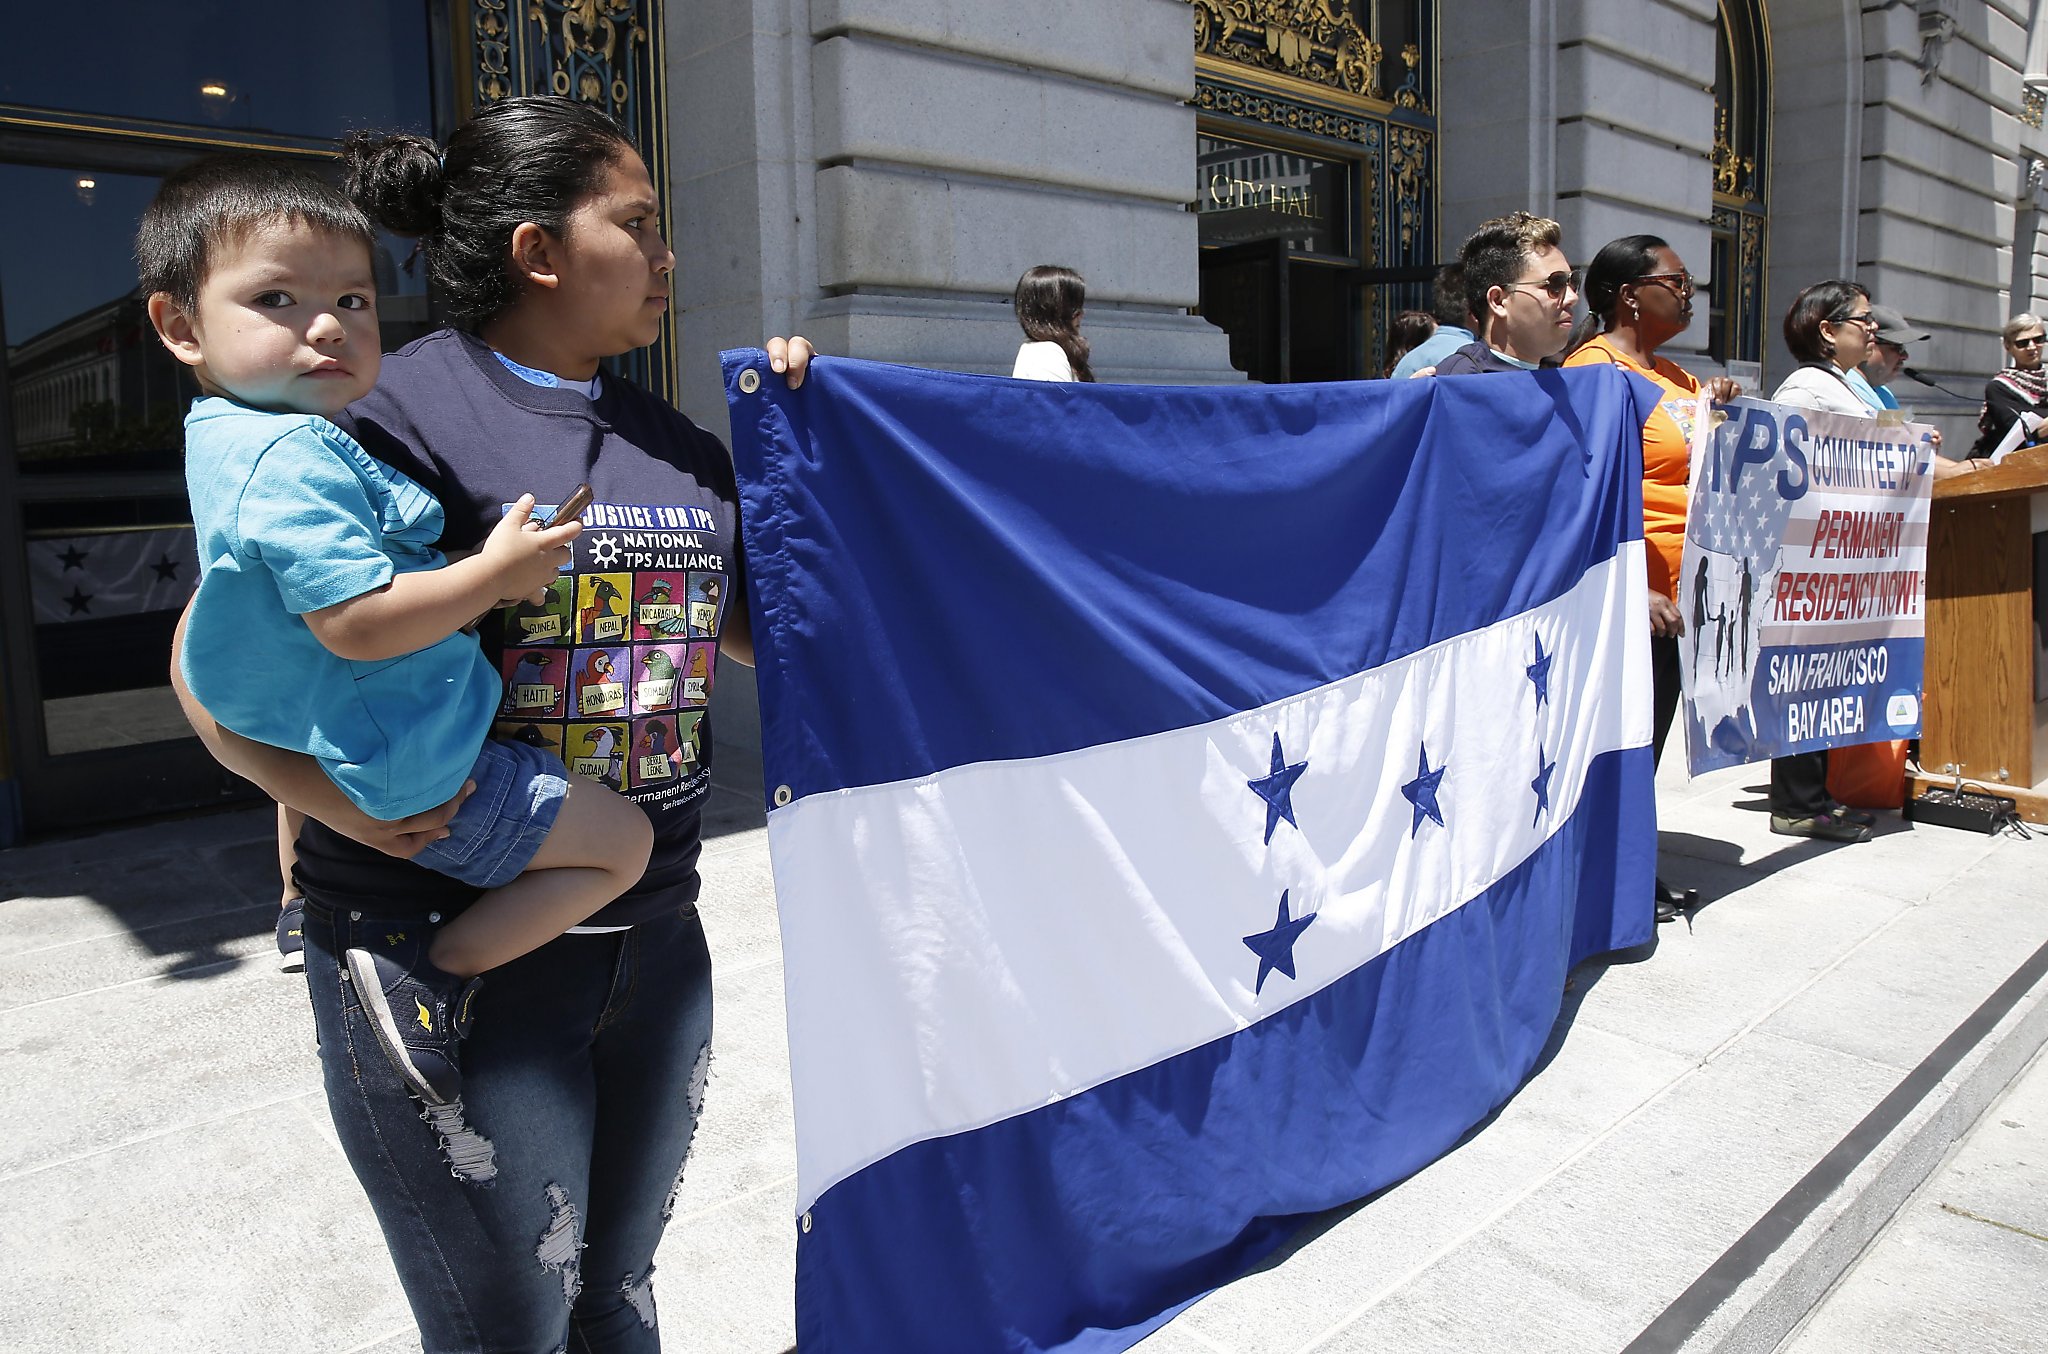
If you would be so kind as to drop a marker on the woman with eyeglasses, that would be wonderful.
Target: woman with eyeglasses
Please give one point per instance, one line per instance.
(1829, 329)
(1640, 295)
(2021, 388)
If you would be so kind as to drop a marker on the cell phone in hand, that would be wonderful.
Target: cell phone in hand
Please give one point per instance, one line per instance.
(571, 509)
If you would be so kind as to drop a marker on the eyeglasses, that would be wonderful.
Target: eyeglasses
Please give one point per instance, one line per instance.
(1684, 284)
(2033, 342)
(1866, 319)
(1556, 285)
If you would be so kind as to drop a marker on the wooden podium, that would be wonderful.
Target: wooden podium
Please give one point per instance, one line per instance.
(1979, 715)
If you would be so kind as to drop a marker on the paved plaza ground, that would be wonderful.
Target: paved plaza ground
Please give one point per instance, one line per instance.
(1731, 1113)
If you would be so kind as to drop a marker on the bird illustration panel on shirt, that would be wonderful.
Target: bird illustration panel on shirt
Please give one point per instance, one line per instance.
(544, 622)
(601, 607)
(659, 600)
(597, 751)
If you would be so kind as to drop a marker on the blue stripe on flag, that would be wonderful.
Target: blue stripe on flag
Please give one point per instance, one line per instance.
(1086, 1224)
(1138, 559)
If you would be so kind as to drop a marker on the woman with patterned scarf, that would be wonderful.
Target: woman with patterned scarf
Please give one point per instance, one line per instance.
(2021, 388)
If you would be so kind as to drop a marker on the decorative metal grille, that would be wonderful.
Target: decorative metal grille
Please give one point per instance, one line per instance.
(1310, 69)
(1740, 223)
(602, 52)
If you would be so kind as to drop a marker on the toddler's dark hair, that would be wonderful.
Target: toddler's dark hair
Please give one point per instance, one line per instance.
(217, 200)
(527, 159)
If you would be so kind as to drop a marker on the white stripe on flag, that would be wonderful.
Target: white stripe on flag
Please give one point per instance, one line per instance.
(973, 944)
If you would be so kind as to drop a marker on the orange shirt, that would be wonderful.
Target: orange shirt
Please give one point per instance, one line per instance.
(1667, 457)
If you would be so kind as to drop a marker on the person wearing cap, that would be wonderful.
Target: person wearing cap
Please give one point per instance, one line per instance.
(1887, 352)
(1885, 357)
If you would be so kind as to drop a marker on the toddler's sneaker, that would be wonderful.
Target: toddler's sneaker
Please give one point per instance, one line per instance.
(291, 936)
(420, 1014)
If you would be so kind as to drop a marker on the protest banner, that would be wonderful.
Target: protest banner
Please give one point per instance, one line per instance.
(1803, 583)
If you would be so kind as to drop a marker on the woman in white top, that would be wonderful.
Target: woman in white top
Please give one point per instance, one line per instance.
(1828, 329)
(1049, 300)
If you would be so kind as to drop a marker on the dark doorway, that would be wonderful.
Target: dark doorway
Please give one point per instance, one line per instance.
(1280, 274)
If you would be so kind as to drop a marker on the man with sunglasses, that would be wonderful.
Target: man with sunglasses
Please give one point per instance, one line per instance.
(1522, 289)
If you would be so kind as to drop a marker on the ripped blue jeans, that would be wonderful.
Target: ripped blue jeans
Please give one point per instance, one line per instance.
(524, 1219)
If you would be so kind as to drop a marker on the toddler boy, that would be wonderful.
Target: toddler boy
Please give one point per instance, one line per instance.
(327, 622)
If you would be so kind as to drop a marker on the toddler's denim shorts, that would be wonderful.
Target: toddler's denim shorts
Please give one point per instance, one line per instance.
(493, 836)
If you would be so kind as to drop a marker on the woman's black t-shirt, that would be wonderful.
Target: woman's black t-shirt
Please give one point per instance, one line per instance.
(614, 671)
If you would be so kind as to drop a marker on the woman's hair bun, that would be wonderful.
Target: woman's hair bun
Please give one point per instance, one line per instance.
(396, 178)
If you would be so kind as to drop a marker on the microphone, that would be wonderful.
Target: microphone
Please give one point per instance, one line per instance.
(1926, 380)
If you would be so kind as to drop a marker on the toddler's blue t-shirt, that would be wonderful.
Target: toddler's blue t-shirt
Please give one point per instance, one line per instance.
(294, 516)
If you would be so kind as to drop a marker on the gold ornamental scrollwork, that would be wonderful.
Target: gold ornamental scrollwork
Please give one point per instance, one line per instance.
(1409, 95)
(1408, 164)
(1750, 250)
(1733, 172)
(493, 37)
(1315, 40)
(585, 53)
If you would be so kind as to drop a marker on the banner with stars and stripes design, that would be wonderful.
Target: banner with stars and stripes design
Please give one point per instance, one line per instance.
(1803, 583)
(1186, 806)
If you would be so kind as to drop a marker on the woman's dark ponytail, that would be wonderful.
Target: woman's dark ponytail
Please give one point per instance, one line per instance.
(396, 179)
(520, 160)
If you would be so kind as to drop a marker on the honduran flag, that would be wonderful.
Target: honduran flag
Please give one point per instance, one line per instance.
(1185, 806)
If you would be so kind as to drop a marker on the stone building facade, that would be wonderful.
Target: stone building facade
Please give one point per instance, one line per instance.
(876, 173)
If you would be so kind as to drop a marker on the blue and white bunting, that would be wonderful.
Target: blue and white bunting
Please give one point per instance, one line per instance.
(1187, 804)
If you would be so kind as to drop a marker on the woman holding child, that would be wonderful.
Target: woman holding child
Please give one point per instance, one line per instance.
(524, 1213)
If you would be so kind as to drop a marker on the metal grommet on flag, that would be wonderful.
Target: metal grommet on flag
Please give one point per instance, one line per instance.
(807, 1224)
(750, 381)
(782, 796)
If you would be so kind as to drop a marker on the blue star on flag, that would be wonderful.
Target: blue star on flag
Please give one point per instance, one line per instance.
(1541, 785)
(1539, 673)
(1275, 948)
(1277, 789)
(1421, 792)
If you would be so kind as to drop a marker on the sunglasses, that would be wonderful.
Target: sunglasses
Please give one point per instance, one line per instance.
(1556, 285)
(2033, 342)
(1684, 284)
(1866, 319)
